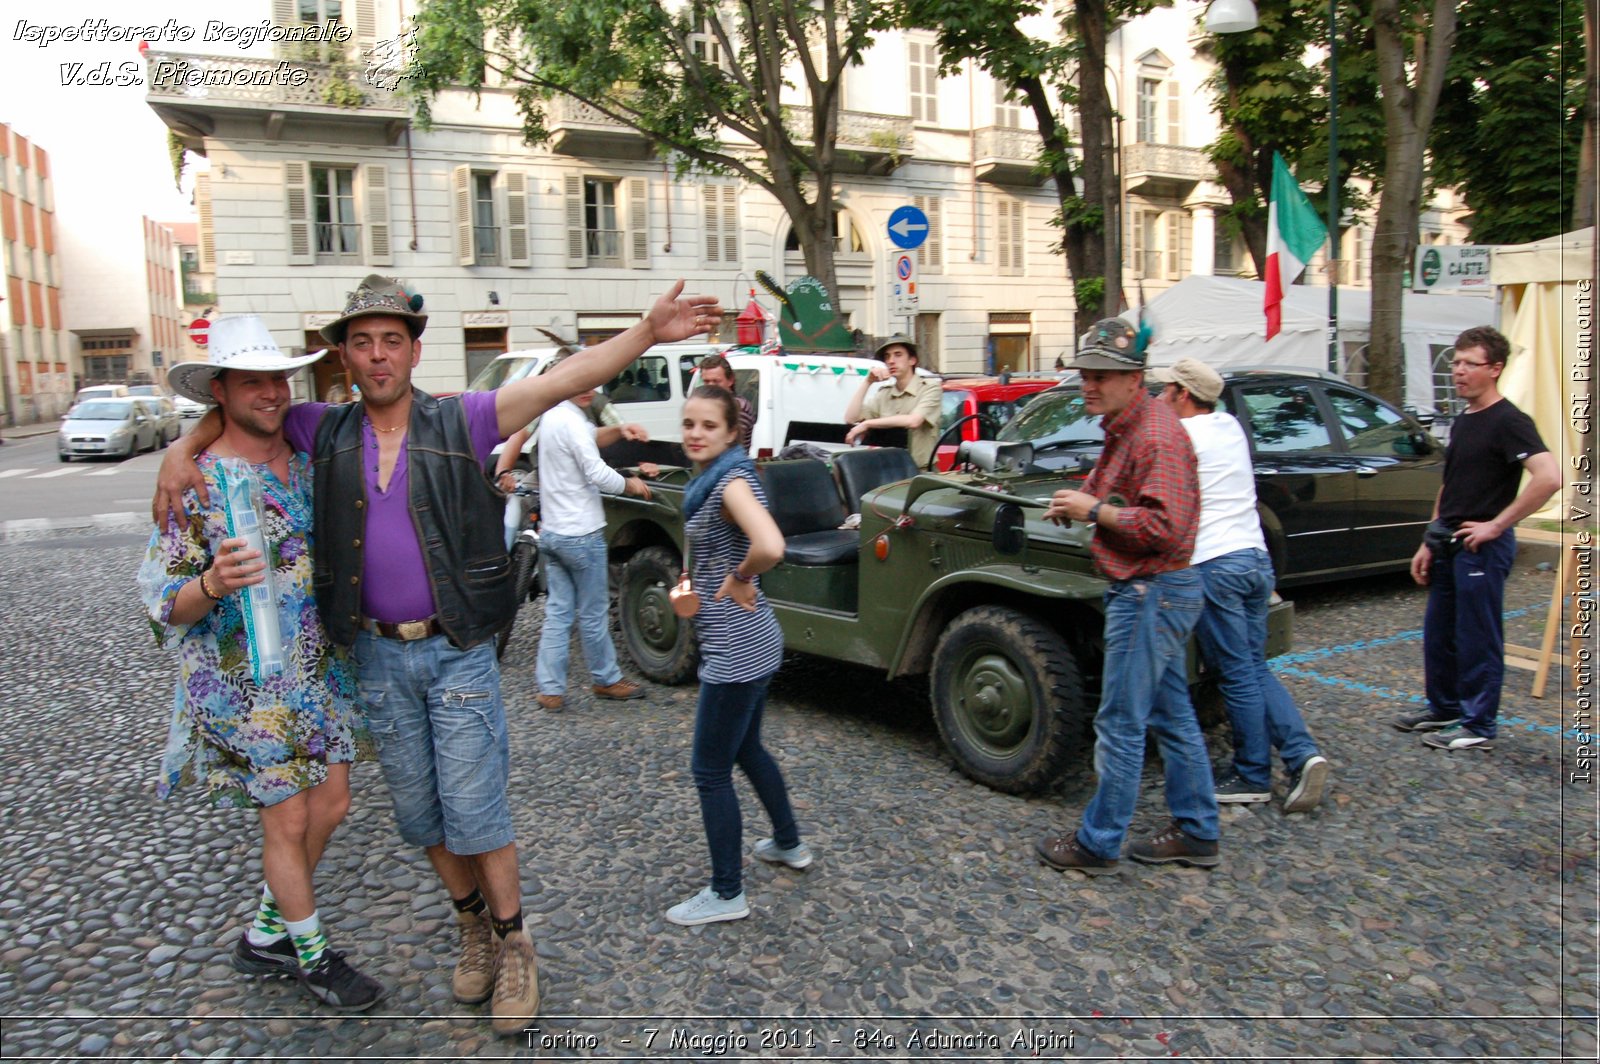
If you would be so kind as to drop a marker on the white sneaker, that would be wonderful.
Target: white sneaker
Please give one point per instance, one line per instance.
(1306, 791)
(706, 908)
(796, 856)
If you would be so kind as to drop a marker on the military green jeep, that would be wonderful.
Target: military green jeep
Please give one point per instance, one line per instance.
(952, 575)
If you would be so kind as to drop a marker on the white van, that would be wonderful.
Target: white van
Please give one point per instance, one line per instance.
(797, 398)
(649, 391)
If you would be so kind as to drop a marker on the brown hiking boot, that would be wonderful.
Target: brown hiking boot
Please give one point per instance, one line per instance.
(474, 978)
(1065, 851)
(621, 690)
(550, 703)
(516, 984)
(1173, 845)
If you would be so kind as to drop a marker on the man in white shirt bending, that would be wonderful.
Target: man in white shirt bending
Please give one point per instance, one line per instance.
(1231, 556)
(573, 543)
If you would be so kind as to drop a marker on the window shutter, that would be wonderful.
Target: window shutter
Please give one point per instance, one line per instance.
(638, 234)
(375, 201)
(1174, 112)
(932, 258)
(1136, 230)
(1003, 234)
(208, 233)
(517, 252)
(730, 224)
(1174, 246)
(297, 211)
(713, 222)
(366, 28)
(461, 213)
(577, 246)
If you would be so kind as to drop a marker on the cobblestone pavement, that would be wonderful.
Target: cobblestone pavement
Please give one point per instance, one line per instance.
(1436, 906)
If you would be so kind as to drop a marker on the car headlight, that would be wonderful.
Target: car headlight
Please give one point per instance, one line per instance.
(116, 433)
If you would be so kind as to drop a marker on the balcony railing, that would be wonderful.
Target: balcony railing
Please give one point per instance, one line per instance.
(1154, 168)
(273, 84)
(867, 143)
(576, 128)
(1005, 155)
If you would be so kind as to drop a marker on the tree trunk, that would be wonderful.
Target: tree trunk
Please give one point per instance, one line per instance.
(1408, 115)
(1102, 171)
(1583, 201)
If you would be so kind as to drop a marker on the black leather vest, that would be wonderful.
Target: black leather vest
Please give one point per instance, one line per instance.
(457, 515)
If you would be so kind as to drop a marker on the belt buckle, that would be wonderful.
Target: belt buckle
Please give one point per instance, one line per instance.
(410, 630)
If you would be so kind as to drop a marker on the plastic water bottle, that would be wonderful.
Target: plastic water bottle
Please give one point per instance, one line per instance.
(247, 518)
(514, 505)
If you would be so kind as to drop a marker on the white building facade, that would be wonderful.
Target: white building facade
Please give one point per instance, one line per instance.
(314, 184)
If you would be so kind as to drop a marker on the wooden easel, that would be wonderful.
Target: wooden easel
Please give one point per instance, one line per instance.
(1566, 584)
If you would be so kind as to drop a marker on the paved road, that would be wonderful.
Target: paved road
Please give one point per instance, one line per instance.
(1436, 906)
(36, 486)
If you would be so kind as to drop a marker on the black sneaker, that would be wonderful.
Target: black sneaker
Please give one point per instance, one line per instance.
(1458, 739)
(1306, 790)
(276, 959)
(336, 984)
(1232, 788)
(1425, 722)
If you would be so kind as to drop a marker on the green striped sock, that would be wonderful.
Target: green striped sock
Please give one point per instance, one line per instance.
(268, 927)
(309, 941)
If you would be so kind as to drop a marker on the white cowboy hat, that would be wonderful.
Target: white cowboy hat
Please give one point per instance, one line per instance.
(238, 342)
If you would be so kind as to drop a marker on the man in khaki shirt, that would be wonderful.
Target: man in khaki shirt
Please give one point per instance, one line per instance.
(908, 402)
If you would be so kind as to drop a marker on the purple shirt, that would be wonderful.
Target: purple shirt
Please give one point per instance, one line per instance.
(394, 578)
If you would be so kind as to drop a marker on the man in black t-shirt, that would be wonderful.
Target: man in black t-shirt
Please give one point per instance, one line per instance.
(1465, 563)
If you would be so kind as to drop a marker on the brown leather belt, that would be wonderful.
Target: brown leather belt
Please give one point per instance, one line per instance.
(405, 631)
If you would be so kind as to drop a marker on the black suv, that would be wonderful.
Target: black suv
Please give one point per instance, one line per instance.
(1345, 483)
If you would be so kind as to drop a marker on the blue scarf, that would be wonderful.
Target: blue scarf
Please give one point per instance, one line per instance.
(700, 488)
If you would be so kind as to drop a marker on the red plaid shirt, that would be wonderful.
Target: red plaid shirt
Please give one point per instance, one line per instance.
(1148, 469)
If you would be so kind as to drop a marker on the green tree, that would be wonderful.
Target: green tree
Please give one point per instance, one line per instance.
(1268, 97)
(1053, 77)
(1511, 116)
(682, 75)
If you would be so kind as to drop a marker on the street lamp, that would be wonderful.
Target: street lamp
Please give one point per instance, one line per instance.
(1230, 16)
(1333, 189)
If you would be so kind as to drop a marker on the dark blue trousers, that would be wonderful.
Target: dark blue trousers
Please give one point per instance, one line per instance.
(1463, 635)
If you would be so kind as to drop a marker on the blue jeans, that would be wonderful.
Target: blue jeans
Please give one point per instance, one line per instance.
(727, 731)
(1146, 684)
(576, 569)
(1463, 634)
(1233, 641)
(436, 715)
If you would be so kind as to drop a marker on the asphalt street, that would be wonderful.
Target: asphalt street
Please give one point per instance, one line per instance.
(1438, 906)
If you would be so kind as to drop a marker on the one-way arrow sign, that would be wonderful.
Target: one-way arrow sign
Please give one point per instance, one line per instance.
(908, 227)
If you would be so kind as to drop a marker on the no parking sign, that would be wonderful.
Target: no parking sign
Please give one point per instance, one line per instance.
(903, 285)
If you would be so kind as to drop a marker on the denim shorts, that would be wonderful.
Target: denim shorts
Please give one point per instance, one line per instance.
(436, 715)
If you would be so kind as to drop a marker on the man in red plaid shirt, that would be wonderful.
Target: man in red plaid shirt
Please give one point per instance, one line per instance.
(1143, 502)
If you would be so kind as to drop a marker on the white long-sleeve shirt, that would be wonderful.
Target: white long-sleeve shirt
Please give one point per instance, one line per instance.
(571, 474)
(1228, 519)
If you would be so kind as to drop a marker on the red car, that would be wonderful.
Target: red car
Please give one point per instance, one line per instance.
(994, 401)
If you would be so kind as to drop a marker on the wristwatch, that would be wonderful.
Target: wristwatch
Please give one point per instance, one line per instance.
(1094, 513)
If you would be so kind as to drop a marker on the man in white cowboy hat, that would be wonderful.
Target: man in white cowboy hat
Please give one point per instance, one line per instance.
(907, 402)
(1142, 503)
(281, 746)
(412, 570)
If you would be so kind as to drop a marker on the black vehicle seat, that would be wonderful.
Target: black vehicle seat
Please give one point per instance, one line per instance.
(805, 503)
(863, 468)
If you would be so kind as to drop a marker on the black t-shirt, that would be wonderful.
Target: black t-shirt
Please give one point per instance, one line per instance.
(1483, 464)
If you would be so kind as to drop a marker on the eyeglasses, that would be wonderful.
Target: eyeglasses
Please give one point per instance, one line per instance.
(1462, 363)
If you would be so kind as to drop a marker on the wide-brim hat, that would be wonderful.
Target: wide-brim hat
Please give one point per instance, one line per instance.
(898, 338)
(238, 342)
(378, 295)
(1112, 344)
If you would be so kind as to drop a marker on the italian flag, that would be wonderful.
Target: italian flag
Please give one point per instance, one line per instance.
(1294, 233)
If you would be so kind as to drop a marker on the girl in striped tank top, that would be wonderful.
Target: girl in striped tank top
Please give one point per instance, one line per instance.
(732, 539)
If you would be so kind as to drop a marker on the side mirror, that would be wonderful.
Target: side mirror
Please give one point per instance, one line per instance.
(1010, 533)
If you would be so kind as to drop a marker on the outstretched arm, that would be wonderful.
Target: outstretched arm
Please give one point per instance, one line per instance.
(179, 472)
(673, 317)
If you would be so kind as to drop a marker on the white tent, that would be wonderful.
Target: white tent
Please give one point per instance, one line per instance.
(1545, 288)
(1220, 320)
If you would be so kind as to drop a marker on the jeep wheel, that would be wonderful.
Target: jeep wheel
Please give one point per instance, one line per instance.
(659, 641)
(1007, 699)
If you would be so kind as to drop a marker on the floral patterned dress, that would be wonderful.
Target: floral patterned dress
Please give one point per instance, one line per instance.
(252, 745)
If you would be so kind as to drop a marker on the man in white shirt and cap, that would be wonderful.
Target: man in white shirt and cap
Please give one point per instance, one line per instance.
(1230, 554)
